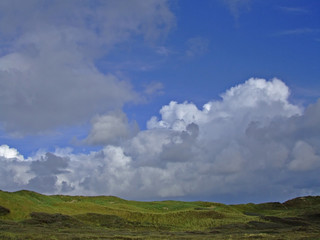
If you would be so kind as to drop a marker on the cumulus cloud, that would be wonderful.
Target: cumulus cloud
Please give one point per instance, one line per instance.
(252, 145)
(48, 76)
(255, 100)
(304, 157)
(14, 169)
(111, 128)
(46, 172)
(10, 153)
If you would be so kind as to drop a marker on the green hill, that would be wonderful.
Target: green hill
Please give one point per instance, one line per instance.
(30, 215)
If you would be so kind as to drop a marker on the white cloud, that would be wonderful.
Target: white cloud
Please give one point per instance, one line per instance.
(110, 129)
(255, 100)
(48, 77)
(56, 91)
(14, 170)
(305, 157)
(177, 116)
(251, 145)
(10, 153)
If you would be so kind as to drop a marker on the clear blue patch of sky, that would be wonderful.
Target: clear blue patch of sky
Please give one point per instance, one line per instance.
(60, 138)
(268, 39)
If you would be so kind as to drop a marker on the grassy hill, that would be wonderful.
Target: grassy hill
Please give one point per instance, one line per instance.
(29, 215)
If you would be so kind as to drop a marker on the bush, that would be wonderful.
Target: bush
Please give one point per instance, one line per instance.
(56, 219)
(4, 211)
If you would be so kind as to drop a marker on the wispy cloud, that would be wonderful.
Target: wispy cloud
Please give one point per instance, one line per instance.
(197, 46)
(299, 31)
(163, 51)
(237, 6)
(154, 88)
(295, 10)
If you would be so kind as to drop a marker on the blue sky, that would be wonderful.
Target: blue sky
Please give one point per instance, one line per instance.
(211, 100)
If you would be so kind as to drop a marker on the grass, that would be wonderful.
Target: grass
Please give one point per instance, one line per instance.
(29, 215)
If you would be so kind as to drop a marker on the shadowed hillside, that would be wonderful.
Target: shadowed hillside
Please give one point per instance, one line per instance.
(29, 215)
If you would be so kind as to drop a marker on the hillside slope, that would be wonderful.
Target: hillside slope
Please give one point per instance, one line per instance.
(30, 215)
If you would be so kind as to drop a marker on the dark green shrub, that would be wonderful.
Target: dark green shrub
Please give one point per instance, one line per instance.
(4, 211)
(55, 219)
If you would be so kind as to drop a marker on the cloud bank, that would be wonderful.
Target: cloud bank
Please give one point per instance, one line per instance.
(48, 76)
(251, 145)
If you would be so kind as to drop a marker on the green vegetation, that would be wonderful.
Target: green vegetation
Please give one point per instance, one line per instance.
(29, 215)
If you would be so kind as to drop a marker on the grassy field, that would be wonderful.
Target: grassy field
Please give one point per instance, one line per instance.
(29, 215)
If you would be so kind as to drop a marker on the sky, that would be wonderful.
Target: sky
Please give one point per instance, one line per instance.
(213, 100)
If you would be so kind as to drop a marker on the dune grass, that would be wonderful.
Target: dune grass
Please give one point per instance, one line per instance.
(29, 215)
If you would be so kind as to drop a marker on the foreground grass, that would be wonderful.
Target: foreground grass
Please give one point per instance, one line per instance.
(29, 215)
